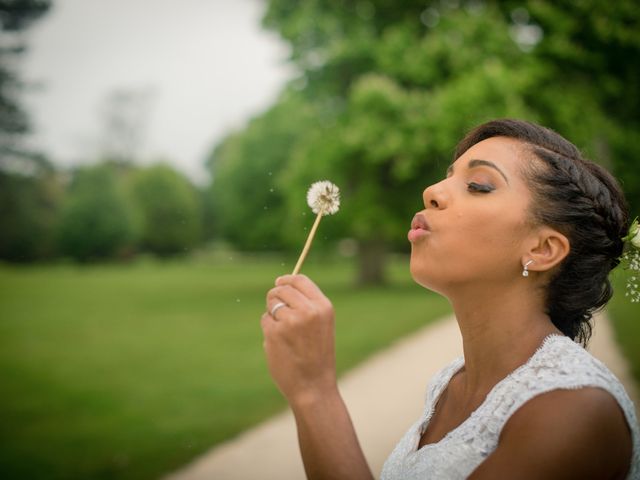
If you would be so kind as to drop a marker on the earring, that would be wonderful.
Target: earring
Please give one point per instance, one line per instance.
(525, 272)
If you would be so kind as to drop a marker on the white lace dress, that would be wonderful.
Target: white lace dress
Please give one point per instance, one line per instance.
(559, 363)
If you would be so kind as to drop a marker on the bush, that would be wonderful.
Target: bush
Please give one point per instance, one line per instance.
(96, 222)
(28, 212)
(169, 208)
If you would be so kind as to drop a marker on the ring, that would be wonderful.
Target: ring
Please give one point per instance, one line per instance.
(276, 307)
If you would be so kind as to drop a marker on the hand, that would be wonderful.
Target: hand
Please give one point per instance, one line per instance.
(299, 339)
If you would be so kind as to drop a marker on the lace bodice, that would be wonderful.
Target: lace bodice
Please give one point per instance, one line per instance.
(559, 363)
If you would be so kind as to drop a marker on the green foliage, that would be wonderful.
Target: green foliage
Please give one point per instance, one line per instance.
(394, 85)
(96, 220)
(590, 55)
(395, 136)
(169, 208)
(28, 213)
(15, 17)
(103, 212)
(624, 316)
(246, 195)
(29, 189)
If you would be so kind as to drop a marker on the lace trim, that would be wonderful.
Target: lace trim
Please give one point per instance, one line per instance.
(558, 363)
(441, 381)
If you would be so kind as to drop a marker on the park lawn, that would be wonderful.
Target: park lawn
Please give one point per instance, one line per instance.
(130, 371)
(625, 317)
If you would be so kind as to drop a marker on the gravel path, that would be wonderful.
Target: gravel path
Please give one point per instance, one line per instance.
(384, 396)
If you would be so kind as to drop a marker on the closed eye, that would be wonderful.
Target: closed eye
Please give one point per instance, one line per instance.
(478, 188)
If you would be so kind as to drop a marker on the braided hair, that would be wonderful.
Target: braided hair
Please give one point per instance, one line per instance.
(581, 200)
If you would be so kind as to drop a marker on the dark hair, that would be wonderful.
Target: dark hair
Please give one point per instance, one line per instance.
(582, 201)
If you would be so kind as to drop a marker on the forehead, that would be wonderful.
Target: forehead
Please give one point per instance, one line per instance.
(507, 153)
(503, 150)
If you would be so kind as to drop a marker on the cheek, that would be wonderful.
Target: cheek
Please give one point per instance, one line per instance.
(473, 244)
(471, 235)
(477, 243)
(492, 244)
(489, 229)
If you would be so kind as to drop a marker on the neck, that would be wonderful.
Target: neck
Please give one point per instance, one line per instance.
(498, 334)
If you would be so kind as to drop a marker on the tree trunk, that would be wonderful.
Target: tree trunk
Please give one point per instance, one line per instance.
(371, 262)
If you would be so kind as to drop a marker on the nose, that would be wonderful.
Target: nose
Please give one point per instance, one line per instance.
(434, 196)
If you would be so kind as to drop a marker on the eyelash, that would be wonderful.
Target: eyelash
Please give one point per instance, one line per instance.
(476, 187)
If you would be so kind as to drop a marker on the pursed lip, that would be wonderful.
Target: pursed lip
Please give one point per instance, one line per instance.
(420, 222)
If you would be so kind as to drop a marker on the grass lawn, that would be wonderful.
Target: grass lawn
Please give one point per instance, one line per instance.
(130, 371)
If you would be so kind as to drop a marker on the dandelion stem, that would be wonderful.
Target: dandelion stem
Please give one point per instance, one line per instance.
(307, 245)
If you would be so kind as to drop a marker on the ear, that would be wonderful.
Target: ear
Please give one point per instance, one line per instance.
(547, 248)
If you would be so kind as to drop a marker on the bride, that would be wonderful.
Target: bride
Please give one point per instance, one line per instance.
(520, 237)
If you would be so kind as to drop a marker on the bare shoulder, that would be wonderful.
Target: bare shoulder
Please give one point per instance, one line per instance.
(580, 433)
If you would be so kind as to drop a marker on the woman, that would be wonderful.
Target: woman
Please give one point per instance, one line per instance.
(520, 237)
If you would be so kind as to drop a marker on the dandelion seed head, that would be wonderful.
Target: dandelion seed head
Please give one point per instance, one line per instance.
(324, 197)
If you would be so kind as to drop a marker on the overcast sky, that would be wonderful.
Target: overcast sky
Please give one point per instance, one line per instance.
(204, 67)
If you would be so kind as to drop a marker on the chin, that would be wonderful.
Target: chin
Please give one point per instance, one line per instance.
(422, 279)
(431, 287)
(428, 279)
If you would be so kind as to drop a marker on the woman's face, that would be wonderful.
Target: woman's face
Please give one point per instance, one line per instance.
(476, 220)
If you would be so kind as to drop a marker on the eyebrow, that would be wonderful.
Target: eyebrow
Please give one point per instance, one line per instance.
(480, 163)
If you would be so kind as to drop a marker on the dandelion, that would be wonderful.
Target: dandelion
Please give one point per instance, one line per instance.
(324, 199)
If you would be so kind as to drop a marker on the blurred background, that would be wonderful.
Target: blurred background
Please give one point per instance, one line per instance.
(154, 159)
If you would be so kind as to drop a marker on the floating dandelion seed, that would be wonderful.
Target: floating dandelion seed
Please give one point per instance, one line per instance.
(324, 199)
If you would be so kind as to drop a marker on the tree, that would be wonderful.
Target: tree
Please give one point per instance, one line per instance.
(15, 17)
(29, 207)
(169, 209)
(97, 222)
(413, 77)
(397, 88)
(248, 170)
(591, 52)
(124, 116)
(397, 84)
(30, 190)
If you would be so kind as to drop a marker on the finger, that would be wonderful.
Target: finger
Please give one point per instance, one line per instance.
(269, 326)
(287, 294)
(279, 313)
(266, 323)
(302, 283)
